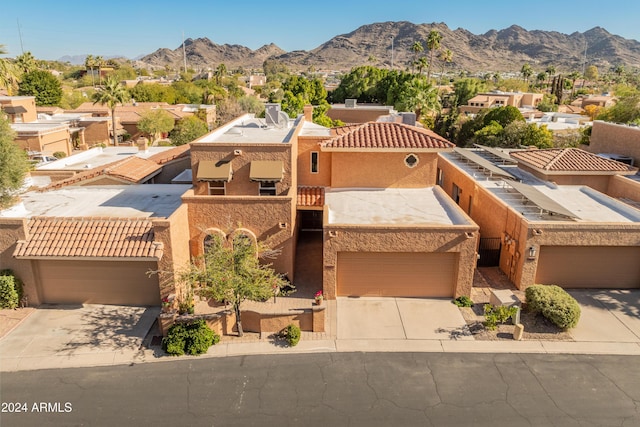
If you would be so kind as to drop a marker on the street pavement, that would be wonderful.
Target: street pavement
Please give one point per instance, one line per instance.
(336, 389)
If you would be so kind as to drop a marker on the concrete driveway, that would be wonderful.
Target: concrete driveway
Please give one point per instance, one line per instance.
(59, 336)
(400, 318)
(607, 315)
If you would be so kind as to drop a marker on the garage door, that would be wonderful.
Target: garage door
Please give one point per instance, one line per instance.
(589, 267)
(397, 274)
(98, 282)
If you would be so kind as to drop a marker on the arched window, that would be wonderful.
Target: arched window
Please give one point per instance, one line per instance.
(213, 238)
(244, 239)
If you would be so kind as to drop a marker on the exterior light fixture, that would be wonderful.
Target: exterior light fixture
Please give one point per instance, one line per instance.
(532, 252)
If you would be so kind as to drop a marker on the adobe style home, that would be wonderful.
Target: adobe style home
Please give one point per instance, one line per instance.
(556, 216)
(495, 99)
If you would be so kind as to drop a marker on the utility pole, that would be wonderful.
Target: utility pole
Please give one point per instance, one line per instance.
(184, 53)
(20, 34)
(392, 53)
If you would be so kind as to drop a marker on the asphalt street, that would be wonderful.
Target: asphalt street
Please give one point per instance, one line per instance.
(334, 389)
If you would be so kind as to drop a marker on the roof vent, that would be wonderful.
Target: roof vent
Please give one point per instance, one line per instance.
(350, 103)
(409, 118)
(271, 114)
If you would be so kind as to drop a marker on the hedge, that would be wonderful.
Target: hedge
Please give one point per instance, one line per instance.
(554, 303)
(192, 338)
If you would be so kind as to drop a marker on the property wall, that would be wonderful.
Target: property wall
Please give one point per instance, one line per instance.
(357, 115)
(342, 238)
(240, 184)
(173, 233)
(382, 170)
(12, 230)
(96, 132)
(305, 146)
(260, 215)
(614, 138)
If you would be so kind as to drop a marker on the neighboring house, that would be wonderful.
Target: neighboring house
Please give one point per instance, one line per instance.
(81, 245)
(597, 100)
(352, 112)
(618, 139)
(496, 99)
(549, 216)
(19, 109)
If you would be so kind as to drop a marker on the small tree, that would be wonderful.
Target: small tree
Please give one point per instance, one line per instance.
(43, 85)
(232, 272)
(155, 122)
(187, 130)
(111, 94)
(13, 163)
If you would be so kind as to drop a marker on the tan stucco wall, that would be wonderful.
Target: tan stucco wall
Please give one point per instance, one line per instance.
(357, 115)
(172, 169)
(96, 132)
(240, 184)
(323, 178)
(29, 103)
(620, 186)
(48, 143)
(614, 138)
(400, 239)
(12, 230)
(597, 182)
(260, 215)
(381, 170)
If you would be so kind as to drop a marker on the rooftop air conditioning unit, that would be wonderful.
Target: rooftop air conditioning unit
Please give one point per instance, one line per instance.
(350, 103)
(271, 114)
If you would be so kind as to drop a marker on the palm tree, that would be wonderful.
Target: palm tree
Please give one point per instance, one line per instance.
(221, 71)
(573, 76)
(26, 62)
(551, 71)
(416, 48)
(8, 73)
(446, 56)
(433, 44)
(526, 72)
(90, 62)
(99, 64)
(422, 63)
(111, 94)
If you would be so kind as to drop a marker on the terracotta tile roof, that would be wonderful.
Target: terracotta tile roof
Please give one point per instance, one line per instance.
(168, 155)
(89, 238)
(132, 169)
(569, 160)
(311, 196)
(381, 135)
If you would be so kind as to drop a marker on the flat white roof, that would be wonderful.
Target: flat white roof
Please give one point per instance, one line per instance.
(391, 206)
(312, 129)
(587, 204)
(250, 130)
(99, 157)
(111, 201)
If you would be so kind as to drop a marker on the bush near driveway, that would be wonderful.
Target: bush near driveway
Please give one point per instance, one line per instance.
(554, 303)
(193, 338)
(9, 290)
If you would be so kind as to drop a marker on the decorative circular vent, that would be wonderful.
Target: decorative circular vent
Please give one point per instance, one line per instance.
(411, 160)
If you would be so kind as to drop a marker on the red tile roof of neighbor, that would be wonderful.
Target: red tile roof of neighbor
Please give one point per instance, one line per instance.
(384, 135)
(89, 238)
(311, 196)
(168, 155)
(569, 160)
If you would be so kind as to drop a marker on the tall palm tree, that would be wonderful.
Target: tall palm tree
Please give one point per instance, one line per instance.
(221, 71)
(433, 44)
(8, 73)
(422, 63)
(26, 62)
(90, 62)
(526, 72)
(573, 76)
(416, 48)
(551, 71)
(111, 94)
(446, 56)
(99, 64)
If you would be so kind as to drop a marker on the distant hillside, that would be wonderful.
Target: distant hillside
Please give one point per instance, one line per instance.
(503, 50)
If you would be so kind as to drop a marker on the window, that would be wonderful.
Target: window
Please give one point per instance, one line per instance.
(267, 188)
(314, 161)
(411, 160)
(457, 192)
(217, 188)
(439, 177)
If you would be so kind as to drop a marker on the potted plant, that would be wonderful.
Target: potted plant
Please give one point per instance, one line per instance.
(318, 297)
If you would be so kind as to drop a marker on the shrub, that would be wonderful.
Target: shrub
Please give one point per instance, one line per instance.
(554, 303)
(191, 338)
(17, 283)
(497, 314)
(292, 334)
(463, 301)
(8, 294)
(59, 154)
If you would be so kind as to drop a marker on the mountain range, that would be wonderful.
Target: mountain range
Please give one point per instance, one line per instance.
(496, 50)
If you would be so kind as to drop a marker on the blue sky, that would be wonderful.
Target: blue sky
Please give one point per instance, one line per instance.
(52, 29)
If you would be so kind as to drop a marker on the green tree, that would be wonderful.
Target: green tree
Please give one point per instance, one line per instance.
(526, 72)
(111, 94)
(156, 121)
(446, 56)
(43, 85)
(26, 63)
(548, 103)
(187, 130)
(90, 63)
(231, 272)
(416, 48)
(490, 134)
(626, 110)
(251, 104)
(433, 44)
(221, 71)
(8, 73)
(503, 115)
(153, 93)
(591, 73)
(13, 163)
(419, 96)
(99, 63)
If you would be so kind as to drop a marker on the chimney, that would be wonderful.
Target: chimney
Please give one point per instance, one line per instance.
(308, 113)
(142, 144)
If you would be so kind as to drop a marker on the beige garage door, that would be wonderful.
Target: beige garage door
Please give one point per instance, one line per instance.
(589, 267)
(98, 282)
(396, 274)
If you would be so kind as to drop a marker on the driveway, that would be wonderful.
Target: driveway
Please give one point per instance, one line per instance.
(607, 315)
(59, 336)
(400, 318)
